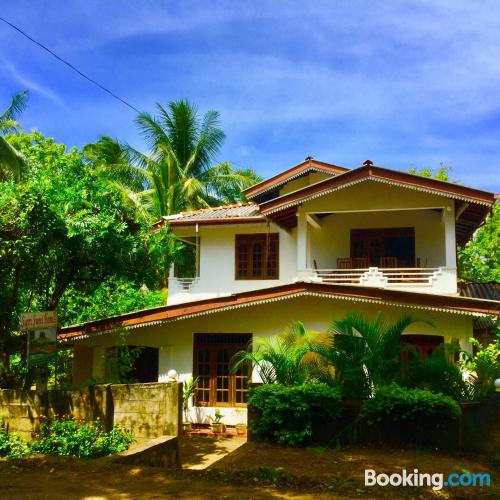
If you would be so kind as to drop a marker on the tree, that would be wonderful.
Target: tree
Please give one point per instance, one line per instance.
(178, 173)
(479, 259)
(11, 162)
(63, 230)
(441, 174)
(364, 352)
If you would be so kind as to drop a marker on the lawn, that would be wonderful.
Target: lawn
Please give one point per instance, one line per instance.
(249, 471)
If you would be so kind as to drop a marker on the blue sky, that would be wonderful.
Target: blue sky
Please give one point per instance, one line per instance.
(399, 82)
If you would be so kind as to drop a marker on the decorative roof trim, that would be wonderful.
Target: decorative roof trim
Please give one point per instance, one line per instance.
(256, 302)
(255, 219)
(292, 178)
(307, 166)
(313, 196)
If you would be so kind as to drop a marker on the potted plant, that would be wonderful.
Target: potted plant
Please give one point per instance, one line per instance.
(188, 388)
(241, 426)
(217, 426)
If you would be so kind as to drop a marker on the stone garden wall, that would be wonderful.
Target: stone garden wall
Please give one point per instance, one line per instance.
(147, 410)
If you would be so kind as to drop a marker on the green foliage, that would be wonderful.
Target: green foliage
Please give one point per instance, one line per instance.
(441, 174)
(11, 445)
(178, 173)
(484, 367)
(217, 418)
(279, 358)
(286, 414)
(363, 352)
(12, 164)
(414, 414)
(65, 235)
(188, 390)
(111, 297)
(68, 437)
(120, 361)
(439, 373)
(479, 259)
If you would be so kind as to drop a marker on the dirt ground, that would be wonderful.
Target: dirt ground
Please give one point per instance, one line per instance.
(238, 470)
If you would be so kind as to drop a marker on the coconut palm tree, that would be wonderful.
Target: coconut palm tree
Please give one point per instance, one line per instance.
(179, 171)
(11, 162)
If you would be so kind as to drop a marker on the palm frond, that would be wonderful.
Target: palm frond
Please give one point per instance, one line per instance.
(8, 119)
(12, 163)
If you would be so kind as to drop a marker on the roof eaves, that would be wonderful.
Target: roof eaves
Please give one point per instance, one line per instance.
(365, 173)
(160, 315)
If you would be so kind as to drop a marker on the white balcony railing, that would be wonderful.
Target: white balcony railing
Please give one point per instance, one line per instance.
(435, 280)
(390, 275)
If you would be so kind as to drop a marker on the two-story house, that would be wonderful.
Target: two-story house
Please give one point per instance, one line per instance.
(311, 244)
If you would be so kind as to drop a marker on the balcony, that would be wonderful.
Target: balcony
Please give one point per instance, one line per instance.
(440, 280)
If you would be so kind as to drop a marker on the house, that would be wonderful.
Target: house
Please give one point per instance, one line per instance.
(311, 244)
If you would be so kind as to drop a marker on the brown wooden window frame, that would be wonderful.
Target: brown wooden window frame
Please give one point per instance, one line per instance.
(257, 266)
(211, 370)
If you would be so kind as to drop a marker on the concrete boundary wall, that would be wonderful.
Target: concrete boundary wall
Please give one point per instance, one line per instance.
(146, 410)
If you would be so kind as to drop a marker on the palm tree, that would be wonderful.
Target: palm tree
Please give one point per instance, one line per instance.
(178, 173)
(11, 162)
(363, 352)
(279, 359)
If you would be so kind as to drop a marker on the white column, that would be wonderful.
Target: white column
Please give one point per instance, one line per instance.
(302, 264)
(449, 236)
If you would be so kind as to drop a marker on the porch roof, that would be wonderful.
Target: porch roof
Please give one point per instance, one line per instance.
(471, 205)
(163, 314)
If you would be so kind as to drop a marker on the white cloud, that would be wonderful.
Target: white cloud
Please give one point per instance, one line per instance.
(29, 84)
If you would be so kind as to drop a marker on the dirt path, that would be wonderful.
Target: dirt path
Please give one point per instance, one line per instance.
(250, 471)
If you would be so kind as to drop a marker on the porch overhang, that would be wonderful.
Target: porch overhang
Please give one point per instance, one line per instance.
(471, 205)
(160, 315)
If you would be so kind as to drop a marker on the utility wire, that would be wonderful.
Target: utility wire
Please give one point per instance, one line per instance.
(60, 59)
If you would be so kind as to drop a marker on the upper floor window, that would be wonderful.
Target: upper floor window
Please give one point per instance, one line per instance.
(257, 256)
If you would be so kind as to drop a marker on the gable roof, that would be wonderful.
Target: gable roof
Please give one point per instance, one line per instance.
(379, 174)
(304, 168)
(163, 314)
(472, 205)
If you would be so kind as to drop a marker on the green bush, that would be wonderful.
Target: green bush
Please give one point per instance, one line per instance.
(67, 437)
(11, 445)
(409, 415)
(286, 414)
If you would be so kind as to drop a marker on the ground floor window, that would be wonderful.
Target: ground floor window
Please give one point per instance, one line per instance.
(217, 384)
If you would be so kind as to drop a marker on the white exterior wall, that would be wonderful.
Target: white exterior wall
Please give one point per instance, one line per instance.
(175, 339)
(217, 262)
(365, 205)
(333, 239)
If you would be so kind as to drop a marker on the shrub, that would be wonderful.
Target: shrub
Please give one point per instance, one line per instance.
(11, 445)
(286, 413)
(409, 415)
(79, 439)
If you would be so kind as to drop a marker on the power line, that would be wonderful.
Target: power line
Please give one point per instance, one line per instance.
(60, 59)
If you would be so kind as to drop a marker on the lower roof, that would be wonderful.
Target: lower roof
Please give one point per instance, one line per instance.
(163, 314)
